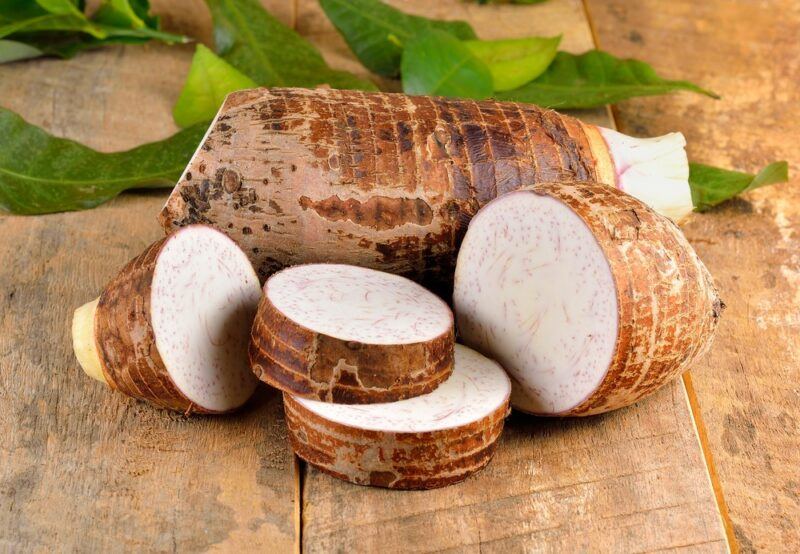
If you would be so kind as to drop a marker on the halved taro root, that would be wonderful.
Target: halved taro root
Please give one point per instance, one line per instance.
(172, 328)
(352, 335)
(588, 298)
(425, 442)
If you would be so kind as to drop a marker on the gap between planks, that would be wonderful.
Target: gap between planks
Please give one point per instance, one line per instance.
(299, 469)
(711, 469)
(295, 13)
(686, 378)
(299, 464)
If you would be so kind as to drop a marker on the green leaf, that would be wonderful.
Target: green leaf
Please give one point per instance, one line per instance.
(17, 10)
(120, 13)
(514, 62)
(66, 31)
(209, 81)
(713, 185)
(269, 52)
(439, 64)
(131, 19)
(62, 44)
(19, 16)
(11, 51)
(593, 79)
(143, 34)
(40, 173)
(68, 44)
(61, 7)
(376, 32)
(53, 22)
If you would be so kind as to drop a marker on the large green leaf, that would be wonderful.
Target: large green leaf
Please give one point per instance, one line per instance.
(713, 185)
(269, 52)
(40, 173)
(514, 62)
(209, 81)
(439, 64)
(376, 32)
(593, 79)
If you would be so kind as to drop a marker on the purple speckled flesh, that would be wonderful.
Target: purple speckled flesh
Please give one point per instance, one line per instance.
(534, 291)
(203, 300)
(358, 304)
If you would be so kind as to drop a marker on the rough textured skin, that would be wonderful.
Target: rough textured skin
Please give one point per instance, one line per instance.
(394, 460)
(668, 305)
(313, 365)
(126, 344)
(385, 181)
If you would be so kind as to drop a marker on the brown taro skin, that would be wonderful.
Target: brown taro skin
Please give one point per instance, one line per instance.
(379, 180)
(424, 460)
(125, 340)
(669, 307)
(300, 361)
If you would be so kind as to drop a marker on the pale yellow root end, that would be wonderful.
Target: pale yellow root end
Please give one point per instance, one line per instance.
(83, 340)
(604, 164)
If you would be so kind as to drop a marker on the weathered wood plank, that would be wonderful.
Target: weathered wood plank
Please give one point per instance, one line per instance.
(747, 388)
(632, 480)
(82, 469)
(629, 481)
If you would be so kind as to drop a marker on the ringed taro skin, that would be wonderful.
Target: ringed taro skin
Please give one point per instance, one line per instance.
(588, 298)
(352, 335)
(390, 181)
(425, 442)
(172, 327)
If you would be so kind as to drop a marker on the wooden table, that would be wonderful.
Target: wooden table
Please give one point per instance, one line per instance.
(710, 463)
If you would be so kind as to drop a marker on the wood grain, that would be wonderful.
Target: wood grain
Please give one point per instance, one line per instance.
(747, 389)
(629, 481)
(82, 468)
(633, 480)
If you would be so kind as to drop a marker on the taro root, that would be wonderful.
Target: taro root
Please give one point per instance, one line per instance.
(172, 327)
(348, 334)
(588, 298)
(425, 442)
(390, 181)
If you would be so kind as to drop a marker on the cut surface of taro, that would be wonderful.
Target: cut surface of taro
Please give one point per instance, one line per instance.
(348, 334)
(589, 299)
(172, 328)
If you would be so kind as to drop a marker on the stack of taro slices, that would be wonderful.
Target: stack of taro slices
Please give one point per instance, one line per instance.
(371, 377)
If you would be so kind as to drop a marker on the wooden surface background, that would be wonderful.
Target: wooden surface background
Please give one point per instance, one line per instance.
(711, 463)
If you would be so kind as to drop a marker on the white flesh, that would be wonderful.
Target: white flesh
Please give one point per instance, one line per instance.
(534, 291)
(654, 170)
(203, 301)
(477, 387)
(358, 304)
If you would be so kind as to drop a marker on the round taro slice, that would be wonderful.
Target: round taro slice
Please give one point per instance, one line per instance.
(347, 334)
(425, 442)
(173, 327)
(589, 299)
